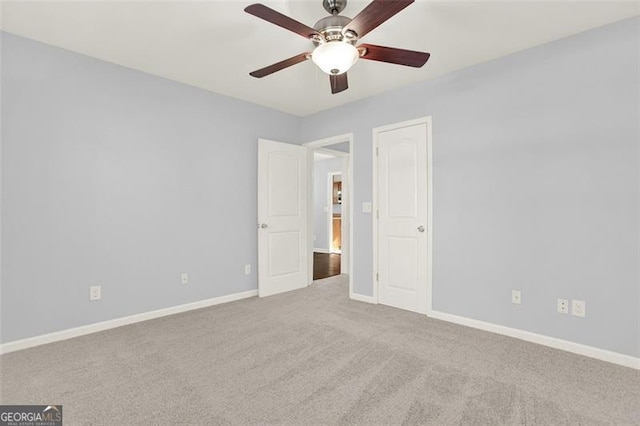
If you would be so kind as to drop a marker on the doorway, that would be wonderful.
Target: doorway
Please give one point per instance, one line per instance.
(327, 247)
(330, 234)
(334, 227)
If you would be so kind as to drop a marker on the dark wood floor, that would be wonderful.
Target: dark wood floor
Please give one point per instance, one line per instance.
(325, 265)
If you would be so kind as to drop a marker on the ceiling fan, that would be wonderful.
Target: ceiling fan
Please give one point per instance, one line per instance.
(335, 38)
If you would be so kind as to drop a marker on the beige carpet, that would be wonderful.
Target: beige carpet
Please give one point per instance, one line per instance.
(315, 357)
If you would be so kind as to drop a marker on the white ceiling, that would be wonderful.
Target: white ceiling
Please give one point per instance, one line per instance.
(214, 44)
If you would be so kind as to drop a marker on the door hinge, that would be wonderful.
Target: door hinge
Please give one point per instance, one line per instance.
(377, 151)
(377, 277)
(377, 214)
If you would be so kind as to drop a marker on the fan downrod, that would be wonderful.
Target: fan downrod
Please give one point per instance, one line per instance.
(334, 7)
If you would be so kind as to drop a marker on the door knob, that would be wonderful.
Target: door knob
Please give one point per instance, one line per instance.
(420, 228)
(263, 225)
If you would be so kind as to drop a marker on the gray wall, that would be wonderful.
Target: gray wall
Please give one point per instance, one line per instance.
(321, 169)
(535, 177)
(115, 177)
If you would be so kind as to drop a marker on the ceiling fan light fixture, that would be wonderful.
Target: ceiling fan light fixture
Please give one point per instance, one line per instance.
(335, 37)
(335, 57)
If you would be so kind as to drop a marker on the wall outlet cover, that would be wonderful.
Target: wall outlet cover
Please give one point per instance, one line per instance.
(563, 306)
(516, 297)
(184, 278)
(95, 292)
(247, 269)
(579, 308)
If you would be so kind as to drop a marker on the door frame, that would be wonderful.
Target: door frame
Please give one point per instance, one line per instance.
(376, 131)
(318, 145)
(330, 177)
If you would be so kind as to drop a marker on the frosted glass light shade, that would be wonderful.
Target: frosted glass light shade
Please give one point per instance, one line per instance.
(335, 57)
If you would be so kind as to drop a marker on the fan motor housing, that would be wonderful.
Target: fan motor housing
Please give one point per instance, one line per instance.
(331, 28)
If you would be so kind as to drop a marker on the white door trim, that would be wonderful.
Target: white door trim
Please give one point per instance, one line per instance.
(347, 137)
(376, 131)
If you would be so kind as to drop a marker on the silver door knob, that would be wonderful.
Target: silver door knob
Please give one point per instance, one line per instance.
(263, 225)
(420, 228)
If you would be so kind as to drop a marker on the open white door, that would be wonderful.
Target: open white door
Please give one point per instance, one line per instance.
(402, 232)
(282, 217)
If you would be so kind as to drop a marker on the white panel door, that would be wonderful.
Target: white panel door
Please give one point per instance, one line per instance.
(402, 217)
(282, 217)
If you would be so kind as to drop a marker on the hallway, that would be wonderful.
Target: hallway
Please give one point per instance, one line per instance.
(325, 265)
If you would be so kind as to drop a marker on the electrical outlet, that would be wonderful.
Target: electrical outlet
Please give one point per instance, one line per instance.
(184, 278)
(247, 269)
(516, 297)
(95, 292)
(563, 306)
(579, 308)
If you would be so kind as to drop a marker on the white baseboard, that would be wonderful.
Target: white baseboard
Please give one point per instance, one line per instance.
(320, 250)
(119, 322)
(565, 345)
(361, 298)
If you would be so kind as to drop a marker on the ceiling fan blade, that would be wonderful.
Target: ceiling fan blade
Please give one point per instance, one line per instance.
(280, 65)
(392, 55)
(377, 12)
(277, 18)
(338, 83)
